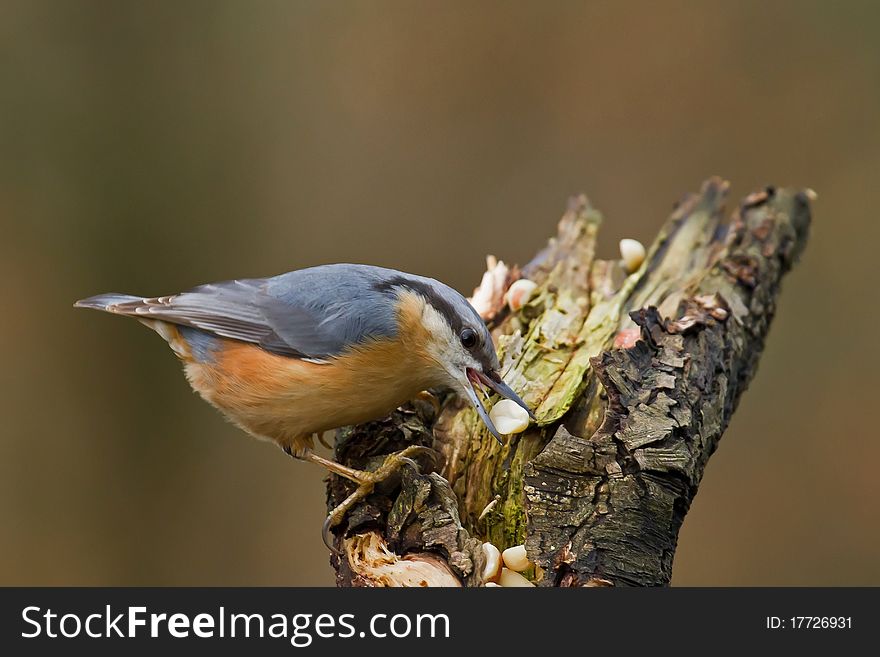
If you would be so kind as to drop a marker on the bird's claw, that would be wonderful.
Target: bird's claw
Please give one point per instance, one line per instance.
(323, 440)
(431, 399)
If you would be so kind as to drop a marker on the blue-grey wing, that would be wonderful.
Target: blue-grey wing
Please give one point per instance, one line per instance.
(322, 311)
(310, 313)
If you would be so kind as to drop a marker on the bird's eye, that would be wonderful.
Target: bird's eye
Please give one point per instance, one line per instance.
(468, 338)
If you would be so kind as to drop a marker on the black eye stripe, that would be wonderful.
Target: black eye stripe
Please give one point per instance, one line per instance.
(454, 317)
(440, 304)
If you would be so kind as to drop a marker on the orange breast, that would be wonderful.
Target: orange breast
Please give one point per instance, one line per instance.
(283, 398)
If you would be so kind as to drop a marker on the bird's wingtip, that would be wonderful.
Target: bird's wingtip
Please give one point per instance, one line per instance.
(90, 302)
(104, 301)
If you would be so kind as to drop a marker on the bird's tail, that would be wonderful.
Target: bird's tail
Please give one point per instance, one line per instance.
(137, 307)
(112, 302)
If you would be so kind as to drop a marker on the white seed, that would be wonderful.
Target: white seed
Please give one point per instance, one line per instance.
(492, 584)
(515, 558)
(519, 292)
(512, 578)
(493, 562)
(632, 252)
(509, 417)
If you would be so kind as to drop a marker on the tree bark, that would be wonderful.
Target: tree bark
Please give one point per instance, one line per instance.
(633, 378)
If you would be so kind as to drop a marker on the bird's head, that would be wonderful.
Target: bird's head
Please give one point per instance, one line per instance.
(457, 342)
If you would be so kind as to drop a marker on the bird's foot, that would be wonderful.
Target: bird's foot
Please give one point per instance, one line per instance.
(367, 481)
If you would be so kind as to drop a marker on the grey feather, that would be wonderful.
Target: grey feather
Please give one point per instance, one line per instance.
(309, 313)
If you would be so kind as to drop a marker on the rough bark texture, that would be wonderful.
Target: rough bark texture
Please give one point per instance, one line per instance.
(633, 379)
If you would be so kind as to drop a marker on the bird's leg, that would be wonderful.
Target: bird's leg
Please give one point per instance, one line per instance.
(366, 480)
(363, 477)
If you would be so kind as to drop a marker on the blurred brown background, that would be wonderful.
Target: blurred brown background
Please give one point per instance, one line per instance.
(148, 147)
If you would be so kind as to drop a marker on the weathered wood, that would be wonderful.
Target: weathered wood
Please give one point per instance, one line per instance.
(633, 377)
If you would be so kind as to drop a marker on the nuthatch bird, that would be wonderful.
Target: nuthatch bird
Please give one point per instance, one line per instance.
(295, 355)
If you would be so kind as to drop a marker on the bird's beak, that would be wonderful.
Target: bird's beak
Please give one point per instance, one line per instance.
(493, 381)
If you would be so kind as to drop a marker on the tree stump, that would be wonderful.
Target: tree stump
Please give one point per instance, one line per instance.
(633, 378)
